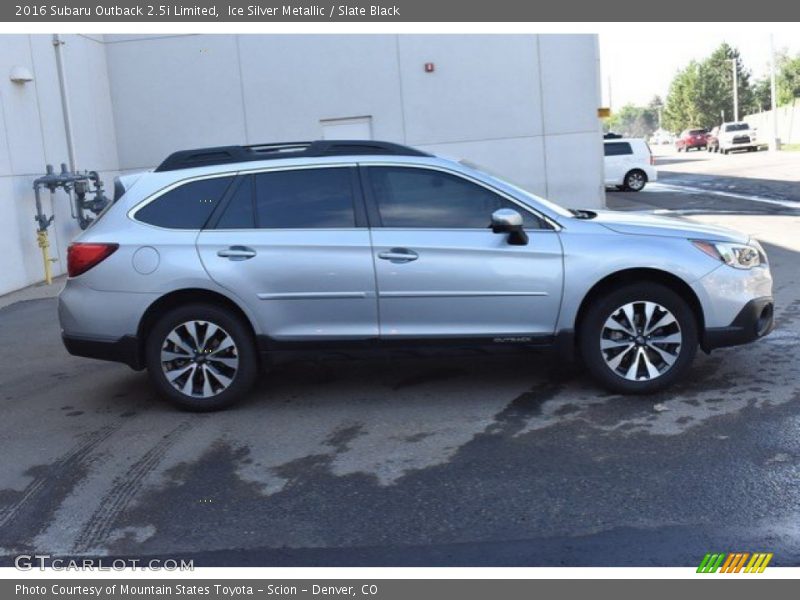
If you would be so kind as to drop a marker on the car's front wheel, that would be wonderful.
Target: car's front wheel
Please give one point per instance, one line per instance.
(638, 339)
(201, 357)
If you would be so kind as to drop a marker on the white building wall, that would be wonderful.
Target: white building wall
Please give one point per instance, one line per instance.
(32, 134)
(524, 106)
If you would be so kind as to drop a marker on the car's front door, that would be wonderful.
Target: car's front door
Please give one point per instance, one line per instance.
(442, 273)
(289, 243)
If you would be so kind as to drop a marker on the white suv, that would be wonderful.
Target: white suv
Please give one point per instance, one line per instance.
(737, 136)
(629, 164)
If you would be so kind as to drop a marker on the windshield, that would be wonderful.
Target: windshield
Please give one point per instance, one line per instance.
(559, 210)
(737, 127)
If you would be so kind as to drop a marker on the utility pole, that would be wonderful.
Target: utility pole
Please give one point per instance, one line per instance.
(735, 90)
(774, 142)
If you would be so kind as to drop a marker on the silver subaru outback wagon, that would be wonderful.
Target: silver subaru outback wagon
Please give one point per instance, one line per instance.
(226, 259)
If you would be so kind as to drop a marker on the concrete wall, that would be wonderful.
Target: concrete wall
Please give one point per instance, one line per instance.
(32, 135)
(788, 123)
(523, 105)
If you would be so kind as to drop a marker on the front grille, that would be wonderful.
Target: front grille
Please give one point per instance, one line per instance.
(741, 139)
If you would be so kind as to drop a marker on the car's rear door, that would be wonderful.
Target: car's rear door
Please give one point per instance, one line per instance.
(618, 156)
(293, 244)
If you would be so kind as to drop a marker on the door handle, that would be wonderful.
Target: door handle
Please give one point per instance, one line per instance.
(237, 253)
(399, 255)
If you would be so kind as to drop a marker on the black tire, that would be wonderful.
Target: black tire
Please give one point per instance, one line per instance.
(591, 332)
(635, 180)
(243, 352)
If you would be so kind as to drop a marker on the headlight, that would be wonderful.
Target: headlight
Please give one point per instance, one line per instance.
(738, 256)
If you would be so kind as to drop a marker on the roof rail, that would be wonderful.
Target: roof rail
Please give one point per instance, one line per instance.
(223, 155)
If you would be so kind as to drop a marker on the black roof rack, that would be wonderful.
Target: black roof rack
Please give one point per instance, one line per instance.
(223, 155)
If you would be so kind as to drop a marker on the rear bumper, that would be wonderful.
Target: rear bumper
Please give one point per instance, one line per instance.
(696, 144)
(754, 321)
(124, 350)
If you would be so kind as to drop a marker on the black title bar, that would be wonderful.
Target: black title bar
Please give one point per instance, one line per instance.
(398, 11)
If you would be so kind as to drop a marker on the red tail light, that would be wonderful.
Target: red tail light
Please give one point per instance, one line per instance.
(82, 257)
(652, 160)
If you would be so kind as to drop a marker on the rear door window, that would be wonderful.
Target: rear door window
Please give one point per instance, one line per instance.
(240, 211)
(187, 206)
(305, 199)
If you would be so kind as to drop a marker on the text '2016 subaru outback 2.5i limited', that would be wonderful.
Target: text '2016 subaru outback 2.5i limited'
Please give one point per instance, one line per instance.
(223, 259)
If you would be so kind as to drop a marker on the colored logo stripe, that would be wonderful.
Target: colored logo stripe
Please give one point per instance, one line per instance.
(710, 563)
(758, 563)
(733, 562)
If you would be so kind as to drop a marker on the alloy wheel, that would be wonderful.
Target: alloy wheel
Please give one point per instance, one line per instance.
(640, 341)
(636, 181)
(199, 359)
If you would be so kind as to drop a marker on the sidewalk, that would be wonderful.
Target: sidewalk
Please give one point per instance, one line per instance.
(34, 292)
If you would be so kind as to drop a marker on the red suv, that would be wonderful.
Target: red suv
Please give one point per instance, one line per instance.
(692, 138)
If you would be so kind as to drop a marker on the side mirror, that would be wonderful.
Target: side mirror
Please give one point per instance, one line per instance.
(507, 220)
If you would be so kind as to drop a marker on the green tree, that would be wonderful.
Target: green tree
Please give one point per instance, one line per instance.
(703, 91)
(787, 82)
(634, 121)
(762, 93)
(716, 86)
(787, 78)
(680, 109)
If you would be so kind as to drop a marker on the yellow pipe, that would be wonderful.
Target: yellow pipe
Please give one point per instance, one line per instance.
(44, 244)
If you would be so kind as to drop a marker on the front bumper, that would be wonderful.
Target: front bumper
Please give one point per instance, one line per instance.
(754, 321)
(124, 350)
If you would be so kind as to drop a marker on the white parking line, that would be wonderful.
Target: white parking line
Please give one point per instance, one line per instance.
(684, 189)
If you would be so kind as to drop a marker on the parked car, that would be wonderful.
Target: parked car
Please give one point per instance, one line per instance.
(628, 163)
(738, 136)
(712, 140)
(225, 260)
(691, 139)
(662, 137)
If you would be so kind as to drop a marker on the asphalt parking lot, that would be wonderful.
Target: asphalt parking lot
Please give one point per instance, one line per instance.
(480, 460)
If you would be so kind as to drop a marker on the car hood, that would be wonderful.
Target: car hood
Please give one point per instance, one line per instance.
(650, 224)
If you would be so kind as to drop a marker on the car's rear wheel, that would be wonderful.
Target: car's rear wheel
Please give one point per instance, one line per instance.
(635, 180)
(201, 357)
(638, 339)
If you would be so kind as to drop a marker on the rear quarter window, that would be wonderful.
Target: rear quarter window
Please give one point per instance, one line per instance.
(187, 206)
(617, 148)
